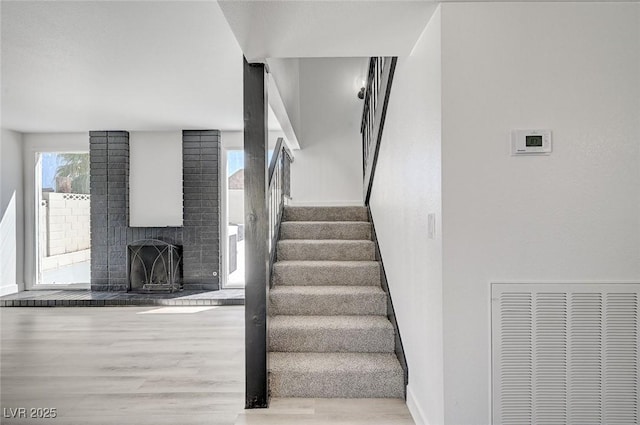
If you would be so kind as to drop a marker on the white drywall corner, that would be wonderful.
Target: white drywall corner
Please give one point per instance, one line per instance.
(11, 213)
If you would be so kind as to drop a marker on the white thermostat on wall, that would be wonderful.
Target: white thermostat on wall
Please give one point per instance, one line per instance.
(531, 142)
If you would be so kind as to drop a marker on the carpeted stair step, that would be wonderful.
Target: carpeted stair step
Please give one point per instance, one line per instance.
(363, 334)
(332, 250)
(328, 300)
(336, 375)
(351, 230)
(352, 273)
(325, 214)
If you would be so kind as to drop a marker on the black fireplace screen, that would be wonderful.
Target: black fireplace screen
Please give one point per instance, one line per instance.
(154, 266)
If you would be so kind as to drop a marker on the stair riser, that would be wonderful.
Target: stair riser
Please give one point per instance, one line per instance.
(344, 231)
(325, 214)
(327, 385)
(328, 305)
(326, 252)
(375, 340)
(361, 275)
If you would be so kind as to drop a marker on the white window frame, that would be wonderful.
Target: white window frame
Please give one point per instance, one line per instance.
(35, 144)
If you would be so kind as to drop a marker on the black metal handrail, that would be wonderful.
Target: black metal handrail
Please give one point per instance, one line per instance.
(378, 90)
(279, 190)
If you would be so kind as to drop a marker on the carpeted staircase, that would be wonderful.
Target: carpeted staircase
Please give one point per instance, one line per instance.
(329, 336)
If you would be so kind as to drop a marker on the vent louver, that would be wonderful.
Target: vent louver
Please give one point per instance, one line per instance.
(565, 354)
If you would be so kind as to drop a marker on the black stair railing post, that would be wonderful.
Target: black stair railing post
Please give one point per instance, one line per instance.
(256, 234)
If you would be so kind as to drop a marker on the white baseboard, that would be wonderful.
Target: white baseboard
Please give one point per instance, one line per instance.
(414, 408)
(9, 289)
(354, 203)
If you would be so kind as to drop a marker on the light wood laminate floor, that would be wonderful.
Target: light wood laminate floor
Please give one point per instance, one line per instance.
(116, 366)
(124, 366)
(318, 411)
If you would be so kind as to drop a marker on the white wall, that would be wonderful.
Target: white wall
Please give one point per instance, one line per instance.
(285, 79)
(235, 139)
(328, 168)
(32, 144)
(155, 179)
(406, 188)
(11, 213)
(573, 216)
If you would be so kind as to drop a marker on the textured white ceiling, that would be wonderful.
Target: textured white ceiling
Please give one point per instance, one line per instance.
(289, 29)
(78, 66)
(168, 65)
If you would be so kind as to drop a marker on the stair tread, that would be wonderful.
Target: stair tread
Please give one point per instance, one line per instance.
(306, 272)
(327, 222)
(329, 322)
(325, 249)
(326, 290)
(333, 363)
(353, 213)
(326, 263)
(326, 241)
(323, 230)
(328, 300)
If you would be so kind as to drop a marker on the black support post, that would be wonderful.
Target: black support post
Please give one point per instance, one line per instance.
(256, 234)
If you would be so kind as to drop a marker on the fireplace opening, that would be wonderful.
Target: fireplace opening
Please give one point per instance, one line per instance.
(154, 266)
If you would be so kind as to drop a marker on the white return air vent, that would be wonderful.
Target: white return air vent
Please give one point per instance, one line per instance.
(565, 354)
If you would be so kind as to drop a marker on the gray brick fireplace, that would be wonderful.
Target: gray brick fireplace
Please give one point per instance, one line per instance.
(110, 232)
